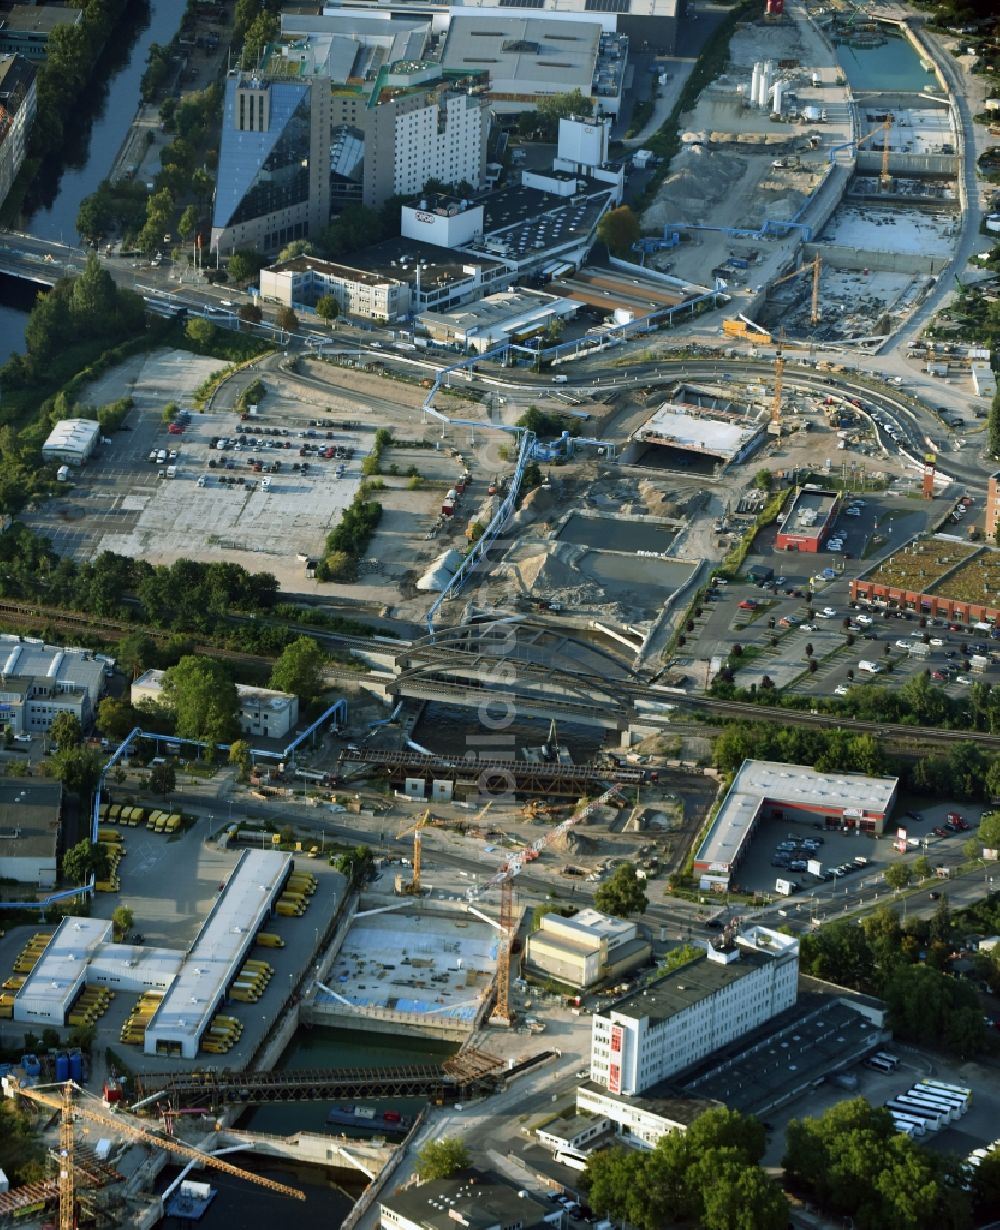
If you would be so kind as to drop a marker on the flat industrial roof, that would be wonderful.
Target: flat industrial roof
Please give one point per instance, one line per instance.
(73, 433)
(689, 984)
(211, 961)
(659, 1100)
(760, 781)
(159, 966)
(40, 19)
(29, 817)
(678, 428)
(58, 970)
(501, 312)
(810, 511)
(438, 266)
(522, 221)
(542, 54)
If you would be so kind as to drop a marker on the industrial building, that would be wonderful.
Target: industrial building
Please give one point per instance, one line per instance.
(389, 281)
(939, 577)
(586, 949)
(263, 711)
(474, 1200)
(773, 790)
(18, 104)
(530, 56)
(217, 953)
(60, 973)
(26, 28)
(674, 1021)
(674, 431)
(639, 1120)
(37, 681)
(30, 830)
(984, 381)
(809, 521)
(72, 441)
(510, 315)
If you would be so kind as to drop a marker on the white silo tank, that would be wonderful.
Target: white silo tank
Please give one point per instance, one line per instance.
(755, 84)
(766, 81)
(779, 95)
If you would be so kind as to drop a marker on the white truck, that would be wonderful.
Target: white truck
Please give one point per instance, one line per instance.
(784, 888)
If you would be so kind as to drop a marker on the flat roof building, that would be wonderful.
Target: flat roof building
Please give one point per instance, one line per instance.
(30, 830)
(509, 315)
(72, 441)
(940, 576)
(724, 441)
(263, 711)
(60, 972)
(984, 381)
(18, 105)
(586, 949)
(673, 1021)
(26, 28)
(809, 520)
(641, 1119)
(38, 681)
(474, 1200)
(217, 953)
(769, 789)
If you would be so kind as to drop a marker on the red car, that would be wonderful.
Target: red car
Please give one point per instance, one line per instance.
(938, 831)
(954, 817)
(966, 501)
(175, 429)
(748, 604)
(955, 627)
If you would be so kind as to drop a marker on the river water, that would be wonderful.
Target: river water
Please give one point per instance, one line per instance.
(97, 129)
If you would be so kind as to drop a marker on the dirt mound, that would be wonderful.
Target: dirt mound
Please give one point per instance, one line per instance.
(574, 843)
(701, 177)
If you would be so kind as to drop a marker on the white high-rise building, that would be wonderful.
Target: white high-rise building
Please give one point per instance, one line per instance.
(694, 1010)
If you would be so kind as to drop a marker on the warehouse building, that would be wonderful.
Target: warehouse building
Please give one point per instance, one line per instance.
(640, 1120)
(473, 1199)
(60, 973)
(510, 315)
(984, 381)
(30, 831)
(676, 1020)
(217, 953)
(38, 681)
(586, 949)
(18, 105)
(809, 520)
(72, 442)
(773, 790)
(263, 711)
(25, 29)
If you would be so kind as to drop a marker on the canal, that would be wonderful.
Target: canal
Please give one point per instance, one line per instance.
(97, 130)
(892, 68)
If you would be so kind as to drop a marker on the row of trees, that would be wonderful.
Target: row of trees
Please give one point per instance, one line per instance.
(904, 964)
(708, 1176)
(348, 540)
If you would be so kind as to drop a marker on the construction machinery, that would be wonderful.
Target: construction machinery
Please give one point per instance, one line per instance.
(884, 179)
(816, 264)
(60, 1098)
(504, 879)
(746, 329)
(413, 887)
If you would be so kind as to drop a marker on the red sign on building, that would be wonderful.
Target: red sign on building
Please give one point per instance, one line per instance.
(615, 1068)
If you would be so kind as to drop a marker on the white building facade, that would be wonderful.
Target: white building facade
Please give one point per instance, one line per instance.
(693, 1011)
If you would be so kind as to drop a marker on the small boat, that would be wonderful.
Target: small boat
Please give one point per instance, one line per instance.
(369, 1118)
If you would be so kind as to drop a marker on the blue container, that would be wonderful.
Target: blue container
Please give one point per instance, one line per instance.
(76, 1066)
(62, 1067)
(31, 1065)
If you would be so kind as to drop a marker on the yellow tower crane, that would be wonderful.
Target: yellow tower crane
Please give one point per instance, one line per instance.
(415, 828)
(72, 1110)
(816, 265)
(885, 179)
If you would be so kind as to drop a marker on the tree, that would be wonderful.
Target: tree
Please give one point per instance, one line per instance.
(921, 867)
(66, 730)
(993, 426)
(298, 247)
(115, 717)
(763, 480)
(188, 222)
(355, 864)
(244, 266)
(989, 830)
(122, 918)
(897, 875)
(619, 229)
(972, 847)
(239, 755)
(136, 653)
(199, 331)
(928, 1008)
(622, 894)
(163, 779)
(203, 697)
(79, 769)
(440, 1159)
(300, 669)
(555, 107)
(84, 859)
(250, 312)
(286, 319)
(327, 308)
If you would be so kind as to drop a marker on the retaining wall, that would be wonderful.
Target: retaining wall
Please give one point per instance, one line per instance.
(841, 257)
(870, 162)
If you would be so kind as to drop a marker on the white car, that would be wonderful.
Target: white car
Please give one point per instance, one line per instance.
(963, 679)
(841, 689)
(808, 628)
(828, 612)
(835, 544)
(936, 642)
(865, 621)
(903, 645)
(853, 512)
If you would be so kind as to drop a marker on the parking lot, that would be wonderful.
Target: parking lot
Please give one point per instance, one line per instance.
(124, 502)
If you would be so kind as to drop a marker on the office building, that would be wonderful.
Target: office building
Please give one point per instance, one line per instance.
(37, 681)
(25, 29)
(694, 1010)
(30, 831)
(263, 711)
(18, 103)
(273, 179)
(585, 949)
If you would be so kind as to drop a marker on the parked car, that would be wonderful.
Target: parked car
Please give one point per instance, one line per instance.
(938, 831)
(748, 604)
(841, 689)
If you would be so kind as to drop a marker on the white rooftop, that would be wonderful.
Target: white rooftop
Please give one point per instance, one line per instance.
(73, 433)
(773, 781)
(158, 966)
(590, 924)
(219, 947)
(672, 425)
(60, 969)
(152, 681)
(22, 657)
